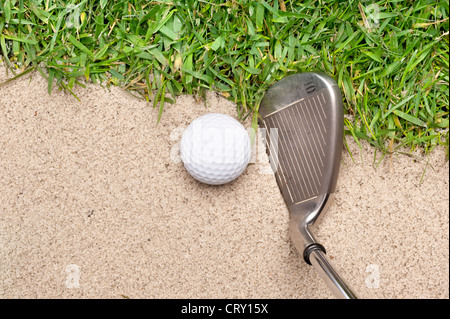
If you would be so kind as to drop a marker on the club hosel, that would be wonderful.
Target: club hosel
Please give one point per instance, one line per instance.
(302, 218)
(302, 237)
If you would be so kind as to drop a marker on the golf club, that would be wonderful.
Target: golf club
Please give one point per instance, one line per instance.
(303, 119)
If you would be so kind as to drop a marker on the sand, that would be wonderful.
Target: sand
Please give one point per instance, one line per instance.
(95, 203)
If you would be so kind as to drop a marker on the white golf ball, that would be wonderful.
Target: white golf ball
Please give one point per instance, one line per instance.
(215, 149)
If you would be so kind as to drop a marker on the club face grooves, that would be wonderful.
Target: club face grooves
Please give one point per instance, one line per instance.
(304, 135)
(302, 147)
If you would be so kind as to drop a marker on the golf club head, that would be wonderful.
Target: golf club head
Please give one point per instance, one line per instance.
(303, 119)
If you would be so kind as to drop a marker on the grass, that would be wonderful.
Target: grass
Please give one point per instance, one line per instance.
(390, 58)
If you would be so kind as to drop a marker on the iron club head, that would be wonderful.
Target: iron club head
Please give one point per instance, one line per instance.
(303, 118)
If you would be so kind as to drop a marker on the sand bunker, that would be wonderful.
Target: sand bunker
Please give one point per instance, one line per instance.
(95, 203)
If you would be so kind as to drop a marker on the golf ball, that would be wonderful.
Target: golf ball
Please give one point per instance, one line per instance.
(215, 149)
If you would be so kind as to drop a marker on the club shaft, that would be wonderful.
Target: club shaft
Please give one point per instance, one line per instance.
(336, 284)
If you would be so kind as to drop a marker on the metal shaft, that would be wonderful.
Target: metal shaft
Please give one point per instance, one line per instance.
(336, 284)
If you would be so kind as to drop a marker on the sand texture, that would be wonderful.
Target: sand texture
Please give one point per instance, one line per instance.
(95, 203)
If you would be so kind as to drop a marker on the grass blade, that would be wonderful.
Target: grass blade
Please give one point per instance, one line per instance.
(410, 118)
(81, 46)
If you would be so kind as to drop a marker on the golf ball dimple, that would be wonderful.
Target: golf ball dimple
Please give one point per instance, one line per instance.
(215, 149)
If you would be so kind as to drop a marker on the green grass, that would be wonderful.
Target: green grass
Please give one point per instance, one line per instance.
(390, 58)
